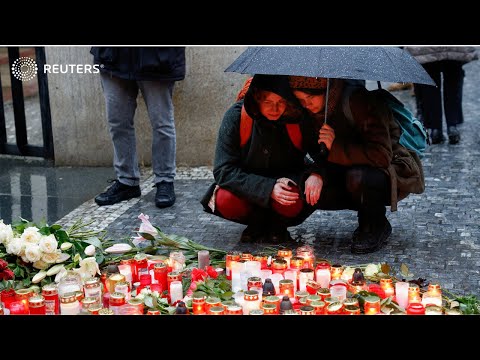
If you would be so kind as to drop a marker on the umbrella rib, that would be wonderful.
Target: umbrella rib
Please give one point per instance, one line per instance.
(256, 51)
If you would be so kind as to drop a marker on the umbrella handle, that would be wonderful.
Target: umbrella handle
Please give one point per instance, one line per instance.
(324, 150)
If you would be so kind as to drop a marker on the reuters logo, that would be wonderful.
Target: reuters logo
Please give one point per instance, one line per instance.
(24, 69)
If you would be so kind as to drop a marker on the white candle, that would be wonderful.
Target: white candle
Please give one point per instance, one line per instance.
(203, 259)
(126, 270)
(72, 308)
(339, 291)
(236, 268)
(265, 274)
(176, 292)
(401, 291)
(275, 280)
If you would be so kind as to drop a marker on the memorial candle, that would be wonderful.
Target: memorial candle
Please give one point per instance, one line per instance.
(387, 286)
(401, 293)
(372, 305)
(203, 259)
(176, 291)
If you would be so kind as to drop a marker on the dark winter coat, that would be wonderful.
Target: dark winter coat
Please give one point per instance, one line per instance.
(372, 139)
(141, 63)
(251, 171)
(428, 54)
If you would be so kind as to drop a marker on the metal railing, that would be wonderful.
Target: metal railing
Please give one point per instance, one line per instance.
(21, 147)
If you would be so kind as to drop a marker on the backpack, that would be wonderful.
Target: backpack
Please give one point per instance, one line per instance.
(246, 123)
(414, 135)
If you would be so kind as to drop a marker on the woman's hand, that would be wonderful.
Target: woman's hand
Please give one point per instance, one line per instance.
(284, 193)
(313, 188)
(327, 136)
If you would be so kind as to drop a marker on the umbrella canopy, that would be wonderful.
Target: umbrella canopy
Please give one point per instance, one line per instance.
(378, 63)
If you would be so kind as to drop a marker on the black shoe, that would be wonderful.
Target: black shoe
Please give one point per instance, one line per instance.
(370, 238)
(436, 136)
(453, 135)
(165, 196)
(253, 234)
(116, 193)
(279, 235)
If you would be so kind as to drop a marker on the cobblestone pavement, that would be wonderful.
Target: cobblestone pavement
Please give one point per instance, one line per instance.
(436, 234)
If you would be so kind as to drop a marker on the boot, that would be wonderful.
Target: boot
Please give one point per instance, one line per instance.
(453, 135)
(371, 234)
(256, 231)
(278, 233)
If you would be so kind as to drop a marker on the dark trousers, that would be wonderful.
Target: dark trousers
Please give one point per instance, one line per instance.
(430, 97)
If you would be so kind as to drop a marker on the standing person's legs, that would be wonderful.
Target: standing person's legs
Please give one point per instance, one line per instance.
(158, 97)
(453, 75)
(120, 102)
(432, 103)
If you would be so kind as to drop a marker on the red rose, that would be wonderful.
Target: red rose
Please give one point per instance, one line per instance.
(375, 288)
(3, 264)
(8, 274)
(211, 272)
(198, 275)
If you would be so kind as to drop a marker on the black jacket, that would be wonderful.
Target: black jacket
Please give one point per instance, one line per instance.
(141, 63)
(251, 171)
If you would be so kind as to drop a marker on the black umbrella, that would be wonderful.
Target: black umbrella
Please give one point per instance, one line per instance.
(380, 63)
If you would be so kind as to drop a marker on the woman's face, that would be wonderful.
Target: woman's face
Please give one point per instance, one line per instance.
(271, 105)
(313, 103)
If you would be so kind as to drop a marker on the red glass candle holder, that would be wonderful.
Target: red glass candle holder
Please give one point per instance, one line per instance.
(36, 305)
(371, 305)
(160, 271)
(319, 307)
(198, 304)
(336, 271)
(234, 310)
(415, 309)
(18, 307)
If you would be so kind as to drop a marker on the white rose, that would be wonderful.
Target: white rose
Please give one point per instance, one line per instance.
(89, 266)
(347, 273)
(50, 258)
(42, 265)
(32, 252)
(90, 250)
(156, 294)
(48, 244)
(6, 233)
(16, 246)
(371, 270)
(140, 296)
(65, 246)
(31, 235)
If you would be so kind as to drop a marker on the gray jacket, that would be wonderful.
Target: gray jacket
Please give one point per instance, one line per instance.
(428, 54)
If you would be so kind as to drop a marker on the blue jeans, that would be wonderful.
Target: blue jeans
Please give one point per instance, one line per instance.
(121, 103)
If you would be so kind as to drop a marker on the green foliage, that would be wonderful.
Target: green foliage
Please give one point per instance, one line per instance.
(469, 305)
